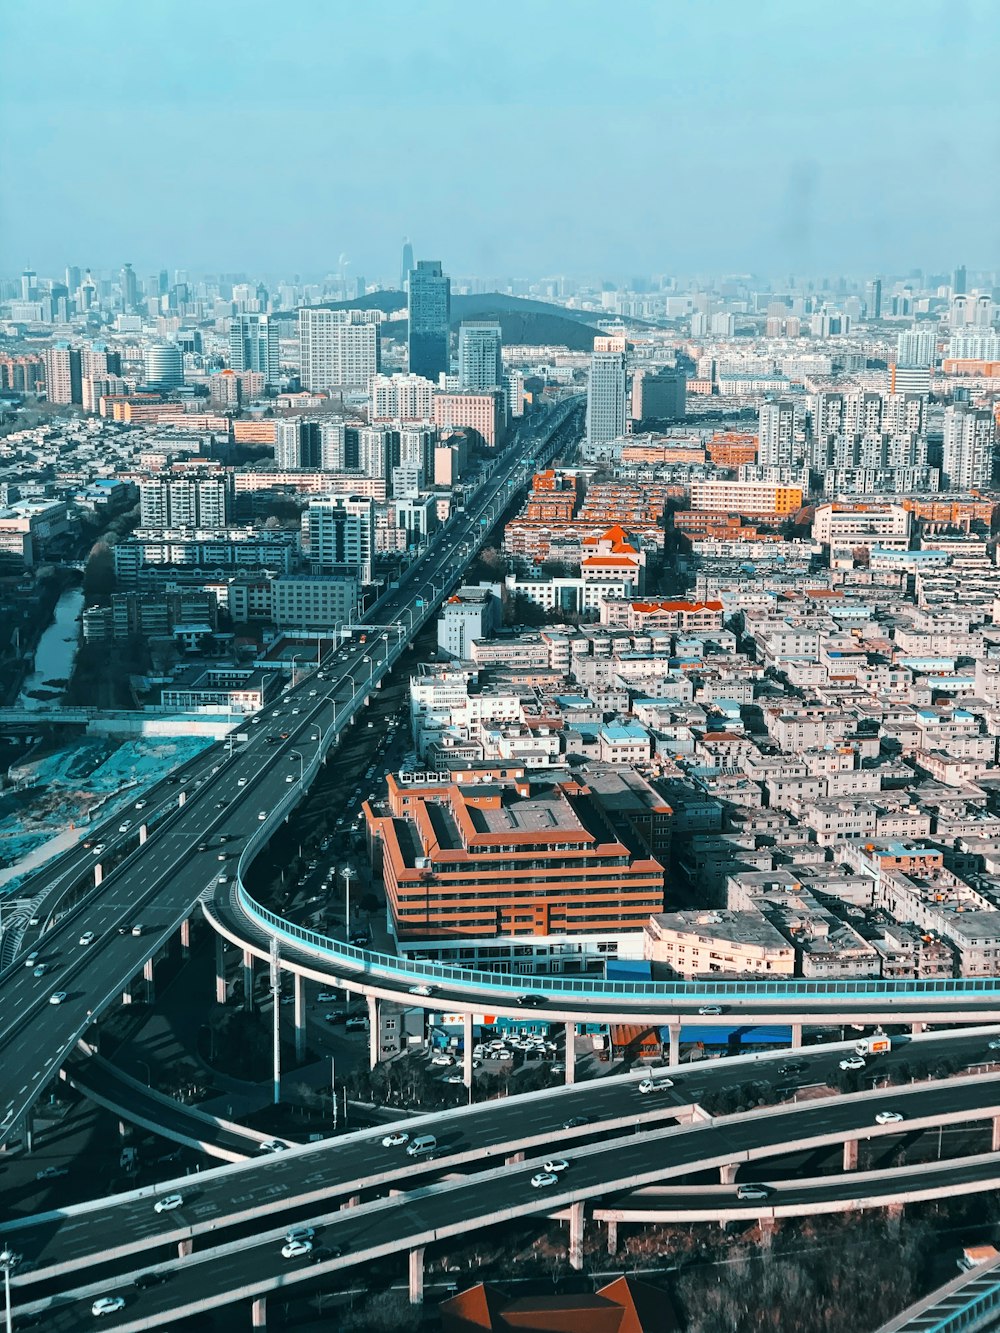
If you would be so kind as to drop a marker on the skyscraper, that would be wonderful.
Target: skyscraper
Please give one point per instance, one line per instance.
(338, 348)
(28, 288)
(958, 287)
(969, 448)
(606, 391)
(129, 287)
(480, 360)
(253, 345)
(874, 298)
(63, 374)
(916, 346)
(429, 312)
(302, 443)
(407, 264)
(780, 442)
(164, 365)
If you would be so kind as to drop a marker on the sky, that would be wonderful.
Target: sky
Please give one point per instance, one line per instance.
(516, 139)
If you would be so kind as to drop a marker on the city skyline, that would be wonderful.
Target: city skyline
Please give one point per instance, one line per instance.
(741, 141)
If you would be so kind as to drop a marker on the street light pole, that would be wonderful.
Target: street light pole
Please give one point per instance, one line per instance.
(348, 874)
(276, 1002)
(297, 754)
(8, 1262)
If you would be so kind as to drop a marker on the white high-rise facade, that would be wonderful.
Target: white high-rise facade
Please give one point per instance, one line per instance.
(780, 434)
(402, 398)
(339, 532)
(184, 502)
(969, 448)
(916, 346)
(607, 391)
(480, 360)
(338, 348)
(253, 345)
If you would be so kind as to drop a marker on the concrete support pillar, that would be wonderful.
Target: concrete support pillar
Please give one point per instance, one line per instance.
(373, 1031)
(300, 1015)
(850, 1154)
(149, 977)
(258, 1313)
(351, 1201)
(796, 1036)
(894, 1218)
(995, 1143)
(184, 1248)
(186, 937)
(570, 1054)
(143, 833)
(727, 1173)
(576, 1227)
(98, 874)
(417, 1276)
(675, 1045)
(513, 1158)
(467, 1049)
(248, 1002)
(916, 1027)
(768, 1226)
(612, 1237)
(220, 970)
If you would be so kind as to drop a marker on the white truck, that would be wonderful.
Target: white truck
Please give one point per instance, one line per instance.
(877, 1044)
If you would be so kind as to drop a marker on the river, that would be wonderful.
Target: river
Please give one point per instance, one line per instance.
(56, 652)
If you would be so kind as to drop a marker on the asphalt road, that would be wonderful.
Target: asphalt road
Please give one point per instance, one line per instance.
(452, 1208)
(160, 885)
(275, 1186)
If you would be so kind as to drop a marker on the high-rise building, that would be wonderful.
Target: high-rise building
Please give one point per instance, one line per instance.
(339, 532)
(480, 358)
(779, 426)
(253, 345)
(658, 395)
(309, 443)
(129, 287)
(916, 346)
(984, 346)
(338, 348)
(63, 374)
(184, 502)
(607, 391)
(969, 448)
(429, 319)
(164, 365)
(407, 264)
(873, 298)
(958, 286)
(29, 288)
(401, 398)
(72, 278)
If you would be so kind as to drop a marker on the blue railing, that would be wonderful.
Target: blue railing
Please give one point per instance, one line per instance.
(967, 1317)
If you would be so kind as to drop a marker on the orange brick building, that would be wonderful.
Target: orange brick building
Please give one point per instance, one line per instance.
(515, 858)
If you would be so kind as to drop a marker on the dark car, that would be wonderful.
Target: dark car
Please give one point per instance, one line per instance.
(145, 1280)
(575, 1121)
(325, 1252)
(792, 1067)
(532, 1001)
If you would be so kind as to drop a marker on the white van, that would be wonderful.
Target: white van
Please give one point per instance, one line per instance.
(422, 1146)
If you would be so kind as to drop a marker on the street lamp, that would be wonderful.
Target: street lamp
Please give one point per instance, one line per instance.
(295, 658)
(8, 1262)
(297, 754)
(348, 873)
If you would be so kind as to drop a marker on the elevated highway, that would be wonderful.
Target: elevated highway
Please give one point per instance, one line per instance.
(249, 1266)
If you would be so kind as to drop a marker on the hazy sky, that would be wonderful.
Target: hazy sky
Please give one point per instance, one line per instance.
(506, 138)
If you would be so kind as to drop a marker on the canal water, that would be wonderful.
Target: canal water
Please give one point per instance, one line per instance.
(55, 654)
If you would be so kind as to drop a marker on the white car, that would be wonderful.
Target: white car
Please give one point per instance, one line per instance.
(124, 826)
(58, 996)
(327, 997)
(241, 782)
(852, 1062)
(556, 1166)
(96, 850)
(745, 1192)
(168, 1203)
(442, 1059)
(888, 1118)
(290, 777)
(107, 1305)
(543, 1179)
(87, 937)
(454, 1078)
(395, 1140)
(423, 990)
(140, 805)
(271, 1145)
(710, 1009)
(295, 1249)
(262, 816)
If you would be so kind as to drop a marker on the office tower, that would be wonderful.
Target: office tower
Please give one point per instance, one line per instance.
(779, 426)
(338, 348)
(916, 346)
(28, 285)
(958, 287)
(339, 532)
(958, 312)
(873, 298)
(63, 374)
(129, 288)
(480, 359)
(253, 345)
(658, 395)
(407, 264)
(163, 282)
(88, 293)
(401, 398)
(164, 365)
(909, 379)
(429, 318)
(72, 278)
(305, 443)
(607, 391)
(967, 457)
(184, 502)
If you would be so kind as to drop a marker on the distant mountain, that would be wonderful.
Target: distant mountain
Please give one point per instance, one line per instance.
(535, 323)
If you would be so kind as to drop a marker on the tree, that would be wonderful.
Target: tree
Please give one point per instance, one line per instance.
(99, 575)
